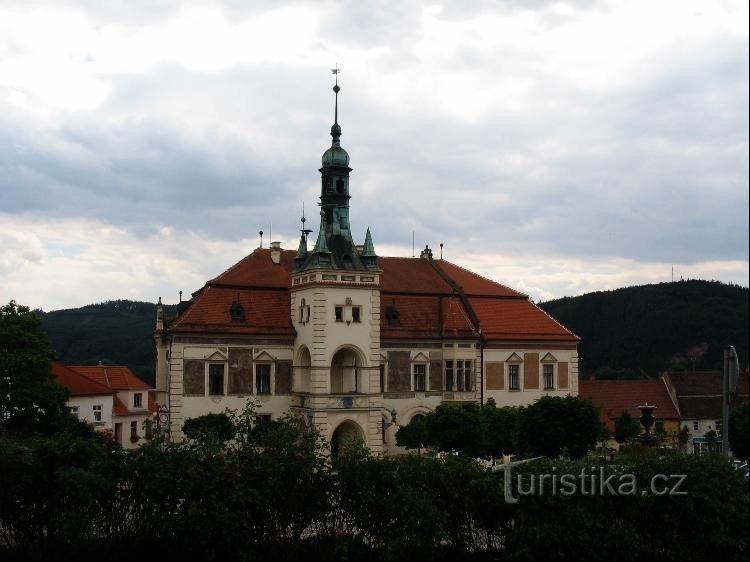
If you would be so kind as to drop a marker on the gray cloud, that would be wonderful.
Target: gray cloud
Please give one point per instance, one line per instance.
(656, 170)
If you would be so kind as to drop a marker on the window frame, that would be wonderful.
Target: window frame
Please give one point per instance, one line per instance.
(464, 373)
(357, 318)
(514, 372)
(211, 376)
(256, 379)
(449, 379)
(551, 375)
(98, 412)
(75, 410)
(133, 429)
(338, 313)
(423, 375)
(138, 400)
(696, 426)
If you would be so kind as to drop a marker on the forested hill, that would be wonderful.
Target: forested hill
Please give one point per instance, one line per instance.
(115, 332)
(630, 332)
(642, 331)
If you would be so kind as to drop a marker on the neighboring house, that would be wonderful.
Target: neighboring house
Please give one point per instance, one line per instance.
(89, 400)
(132, 400)
(699, 395)
(616, 396)
(355, 343)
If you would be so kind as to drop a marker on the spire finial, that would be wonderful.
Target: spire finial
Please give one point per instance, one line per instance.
(336, 90)
(336, 129)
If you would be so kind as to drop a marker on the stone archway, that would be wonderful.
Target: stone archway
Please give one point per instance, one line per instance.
(346, 433)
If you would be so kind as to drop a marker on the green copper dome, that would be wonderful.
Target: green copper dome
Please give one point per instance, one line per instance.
(335, 156)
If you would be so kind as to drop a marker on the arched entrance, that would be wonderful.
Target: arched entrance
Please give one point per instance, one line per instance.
(345, 372)
(345, 434)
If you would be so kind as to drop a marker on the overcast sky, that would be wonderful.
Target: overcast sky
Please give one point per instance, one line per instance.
(556, 147)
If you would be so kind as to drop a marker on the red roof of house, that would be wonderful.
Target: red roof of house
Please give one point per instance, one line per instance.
(76, 383)
(431, 298)
(116, 377)
(119, 408)
(615, 396)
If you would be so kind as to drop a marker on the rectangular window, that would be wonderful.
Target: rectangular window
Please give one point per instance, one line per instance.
(97, 412)
(356, 314)
(262, 419)
(74, 410)
(695, 426)
(449, 375)
(133, 429)
(138, 400)
(513, 377)
(463, 375)
(263, 378)
(215, 380)
(549, 376)
(339, 310)
(719, 426)
(420, 377)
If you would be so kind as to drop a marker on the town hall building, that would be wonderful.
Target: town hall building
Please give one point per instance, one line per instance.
(355, 343)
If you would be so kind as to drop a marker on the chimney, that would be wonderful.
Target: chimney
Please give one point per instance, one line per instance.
(276, 252)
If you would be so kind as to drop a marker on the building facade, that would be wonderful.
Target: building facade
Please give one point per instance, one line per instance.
(354, 343)
(109, 397)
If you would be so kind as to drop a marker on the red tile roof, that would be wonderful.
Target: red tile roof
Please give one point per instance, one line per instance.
(76, 383)
(517, 319)
(475, 285)
(423, 316)
(267, 311)
(116, 377)
(703, 383)
(257, 270)
(428, 297)
(411, 276)
(615, 396)
(119, 408)
(699, 393)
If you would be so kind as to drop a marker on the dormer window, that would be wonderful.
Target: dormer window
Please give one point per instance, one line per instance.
(237, 311)
(393, 315)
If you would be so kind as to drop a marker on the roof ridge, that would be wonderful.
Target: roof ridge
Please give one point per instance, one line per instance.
(236, 264)
(553, 319)
(483, 277)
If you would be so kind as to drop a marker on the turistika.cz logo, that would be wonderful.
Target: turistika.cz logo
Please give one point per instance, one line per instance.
(586, 483)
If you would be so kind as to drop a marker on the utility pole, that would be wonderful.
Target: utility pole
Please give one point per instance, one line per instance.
(730, 376)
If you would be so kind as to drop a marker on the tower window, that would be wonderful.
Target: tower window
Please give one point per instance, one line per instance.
(339, 310)
(340, 186)
(356, 314)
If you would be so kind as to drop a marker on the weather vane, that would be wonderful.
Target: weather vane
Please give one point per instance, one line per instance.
(335, 72)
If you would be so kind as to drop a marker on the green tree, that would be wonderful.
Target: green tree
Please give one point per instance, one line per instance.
(30, 401)
(555, 425)
(711, 438)
(219, 425)
(660, 432)
(626, 428)
(739, 434)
